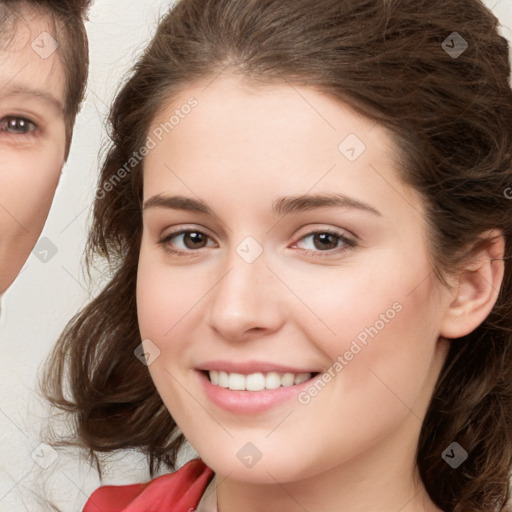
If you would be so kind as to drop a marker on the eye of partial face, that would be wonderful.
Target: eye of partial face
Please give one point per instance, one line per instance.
(17, 125)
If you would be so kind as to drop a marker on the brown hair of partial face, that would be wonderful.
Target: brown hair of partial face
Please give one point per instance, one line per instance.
(451, 119)
(68, 18)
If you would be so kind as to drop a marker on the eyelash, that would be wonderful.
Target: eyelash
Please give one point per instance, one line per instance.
(4, 125)
(347, 243)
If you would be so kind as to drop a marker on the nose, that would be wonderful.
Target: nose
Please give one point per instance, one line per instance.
(246, 301)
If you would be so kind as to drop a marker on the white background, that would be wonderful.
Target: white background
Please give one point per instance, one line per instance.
(45, 296)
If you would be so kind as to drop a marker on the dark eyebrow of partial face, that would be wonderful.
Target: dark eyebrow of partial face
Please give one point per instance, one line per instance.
(281, 206)
(28, 92)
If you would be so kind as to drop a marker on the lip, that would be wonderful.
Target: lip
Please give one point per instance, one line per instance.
(248, 367)
(250, 402)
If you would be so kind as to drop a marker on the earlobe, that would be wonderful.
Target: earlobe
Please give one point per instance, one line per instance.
(477, 288)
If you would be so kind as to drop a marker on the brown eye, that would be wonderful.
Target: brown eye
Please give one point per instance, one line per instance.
(194, 240)
(186, 241)
(322, 241)
(325, 241)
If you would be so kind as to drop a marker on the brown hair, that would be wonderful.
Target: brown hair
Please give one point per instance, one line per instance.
(68, 18)
(451, 118)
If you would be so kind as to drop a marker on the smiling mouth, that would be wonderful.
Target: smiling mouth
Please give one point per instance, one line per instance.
(256, 381)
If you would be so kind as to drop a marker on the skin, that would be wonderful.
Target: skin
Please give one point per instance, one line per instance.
(32, 141)
(352, 447)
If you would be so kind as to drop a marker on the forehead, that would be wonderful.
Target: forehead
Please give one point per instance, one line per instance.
(259, 143)
(283, 127)
(29, 52)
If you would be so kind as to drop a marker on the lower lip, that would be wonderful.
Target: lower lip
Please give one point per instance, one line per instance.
(250, 402)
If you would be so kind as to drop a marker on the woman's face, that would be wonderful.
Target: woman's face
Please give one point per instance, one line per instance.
(32, 138)
(280, 243)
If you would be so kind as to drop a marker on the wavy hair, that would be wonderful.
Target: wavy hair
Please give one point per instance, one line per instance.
(451, 118)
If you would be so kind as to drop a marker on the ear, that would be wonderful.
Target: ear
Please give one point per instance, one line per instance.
(476, 288)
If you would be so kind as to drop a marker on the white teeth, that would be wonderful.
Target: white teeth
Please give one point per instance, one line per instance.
(223, 380)
(272, 380)
(236, 381)
(256, 381)
(287, 380)
(301, 377)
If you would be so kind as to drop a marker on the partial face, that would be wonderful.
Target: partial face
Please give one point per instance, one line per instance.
(277, 253)
(32, 138)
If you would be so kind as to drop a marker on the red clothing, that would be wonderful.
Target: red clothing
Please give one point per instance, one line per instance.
(177, 492)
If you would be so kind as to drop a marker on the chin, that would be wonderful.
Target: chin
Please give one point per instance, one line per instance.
(268, 464)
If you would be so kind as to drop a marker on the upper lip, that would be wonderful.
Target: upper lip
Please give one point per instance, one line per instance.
(248, 367)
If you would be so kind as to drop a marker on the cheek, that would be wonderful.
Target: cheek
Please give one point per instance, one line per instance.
(376, 320)
(167, 308)
(163, 301)
(27, 186)
(28, 181)
(356, 301)
(165, 297)
(385, 350)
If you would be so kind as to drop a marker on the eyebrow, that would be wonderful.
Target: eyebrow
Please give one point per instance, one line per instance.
(177, 203)
(281, 206)
(27, 92)
(300, 203)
